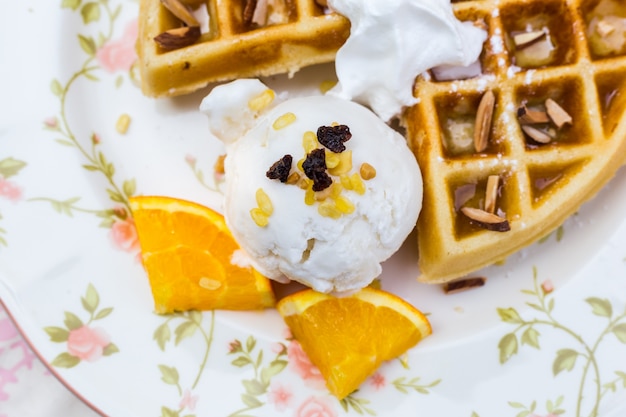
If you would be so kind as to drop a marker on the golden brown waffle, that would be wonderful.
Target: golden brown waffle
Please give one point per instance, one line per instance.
(232, 48)
(540, 184)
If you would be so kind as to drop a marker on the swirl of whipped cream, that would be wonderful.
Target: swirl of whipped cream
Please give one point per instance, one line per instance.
(393, 41)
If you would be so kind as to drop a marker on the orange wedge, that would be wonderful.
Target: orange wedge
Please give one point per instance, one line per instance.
(192, 260)
(348, 338)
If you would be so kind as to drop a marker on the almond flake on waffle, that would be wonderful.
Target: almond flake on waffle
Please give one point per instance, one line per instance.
(576, 70)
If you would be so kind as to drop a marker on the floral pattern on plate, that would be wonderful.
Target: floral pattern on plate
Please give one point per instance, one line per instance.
(96, 155)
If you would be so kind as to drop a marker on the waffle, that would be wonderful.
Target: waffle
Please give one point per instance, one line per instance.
(538, 183)
(301, 34)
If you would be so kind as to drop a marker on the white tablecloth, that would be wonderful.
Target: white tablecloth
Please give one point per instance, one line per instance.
(27, 388)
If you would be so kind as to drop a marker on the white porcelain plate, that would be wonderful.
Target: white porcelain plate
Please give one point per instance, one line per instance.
(545, 337)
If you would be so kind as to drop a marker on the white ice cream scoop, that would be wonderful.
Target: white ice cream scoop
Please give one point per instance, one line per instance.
(332, 240)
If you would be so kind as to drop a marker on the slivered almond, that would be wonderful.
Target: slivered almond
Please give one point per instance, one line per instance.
(530, 116)
(260, 13)
(524, 40)
(464, 284)
(604, 28)
(178, 38)
(486, 220)
(491, 193)
(181, 11)
(557, 114)
(537, 135)
(484, 116)
(248, 11)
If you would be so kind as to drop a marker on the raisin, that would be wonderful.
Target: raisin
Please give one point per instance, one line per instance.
(280, 169)
(333, 137)
(314, 167)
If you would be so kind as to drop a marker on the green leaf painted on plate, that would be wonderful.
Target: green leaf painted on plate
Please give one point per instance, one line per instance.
(129, 187)
(166, 412)
(508, 347)
(184, 330)
(251, 401)
(253, 387)
(259, 359)
(250, 344)
(169, 374)
(601, 307)
(107, 223)
(115, 196)
(10, 167)
(275, 367)
(110, 349)
(560, 232)
(70, 4)
(65, 360)
(620, 331)
(65, 142)
(91, 299)
(241, 361)
(72, 321)
(509, 315)
(89, 75)
(103, 313)
(87, 44)
(90, 12)
(57, 334)
(119, 81)
(162, 335)
(194, 315)
(530, 337)
(564, 361)
(474, 414)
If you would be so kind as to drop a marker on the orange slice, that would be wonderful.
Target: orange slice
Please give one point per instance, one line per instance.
(348, 338)
(193, 261)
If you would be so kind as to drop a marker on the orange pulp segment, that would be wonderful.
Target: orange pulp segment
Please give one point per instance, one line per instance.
(348, 338)
(192, 260)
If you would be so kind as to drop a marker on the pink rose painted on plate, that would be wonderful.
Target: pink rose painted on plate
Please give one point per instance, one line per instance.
(316, 407)
(378, 381)
(83, 341)
(10, 190)
(119, 55)
(124, 235)
(280, 395)
(188, 401)
(87, 343)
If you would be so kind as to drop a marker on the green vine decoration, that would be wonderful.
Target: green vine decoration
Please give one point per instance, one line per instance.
(259, 384)
(94, 159)
(9, 167)
(189, 323)
(360, 405)
(526, 333)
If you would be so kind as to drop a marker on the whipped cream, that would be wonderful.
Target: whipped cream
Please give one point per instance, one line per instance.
(393, 41)
(298, 243)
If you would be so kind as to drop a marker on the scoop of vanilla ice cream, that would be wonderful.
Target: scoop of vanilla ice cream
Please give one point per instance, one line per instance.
(328, 254)
(392, 42)
(229, 110)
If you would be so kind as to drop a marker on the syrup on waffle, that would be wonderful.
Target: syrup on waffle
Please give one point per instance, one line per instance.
(300, 33)
(562, 61)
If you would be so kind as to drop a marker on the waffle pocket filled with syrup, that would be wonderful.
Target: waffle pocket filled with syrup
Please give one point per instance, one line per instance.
(199, 42)
(508, 155)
